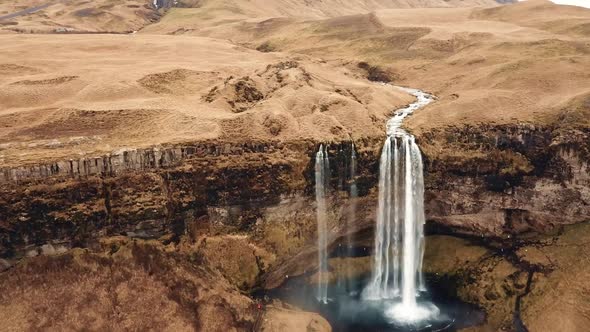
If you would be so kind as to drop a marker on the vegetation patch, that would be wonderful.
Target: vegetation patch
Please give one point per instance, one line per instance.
(376, 73)
(266, 47)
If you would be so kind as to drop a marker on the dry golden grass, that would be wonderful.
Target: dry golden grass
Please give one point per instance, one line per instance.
(70, 95)
(103, 92)
(120, 289)
(78, 16)
(524, 62)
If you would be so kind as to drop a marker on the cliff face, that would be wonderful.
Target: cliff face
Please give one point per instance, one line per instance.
(506, 179)
(485, 180)
(166, 191)
(144, 193)
(132, 160)
(488, 181)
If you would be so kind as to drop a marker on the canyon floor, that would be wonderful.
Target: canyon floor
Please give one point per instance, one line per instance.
(163, 157)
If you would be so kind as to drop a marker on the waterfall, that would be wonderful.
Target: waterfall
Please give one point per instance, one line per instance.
(399, 230)
(351, 218)
(400, 216)
(353, 162)
(322, 170)
(396, 277)
(410, 235)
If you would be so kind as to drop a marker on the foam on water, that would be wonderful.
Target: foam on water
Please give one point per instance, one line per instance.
(402, 313)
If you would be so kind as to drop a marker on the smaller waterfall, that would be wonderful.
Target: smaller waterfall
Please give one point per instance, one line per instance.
(322, 170)
(351, 218)
(353, 166)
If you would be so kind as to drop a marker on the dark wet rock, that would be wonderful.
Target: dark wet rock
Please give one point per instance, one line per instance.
(4, 265)
(153, 193)
(506, 179)
(376, 73)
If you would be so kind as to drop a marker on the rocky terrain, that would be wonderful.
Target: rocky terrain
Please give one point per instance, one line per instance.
(116, 287)
(173, 167)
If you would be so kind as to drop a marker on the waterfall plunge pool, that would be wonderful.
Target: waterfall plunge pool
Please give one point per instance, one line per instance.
(347, 311)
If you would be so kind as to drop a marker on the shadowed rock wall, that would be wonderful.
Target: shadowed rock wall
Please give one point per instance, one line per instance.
(150, 193)
(480, 180)
(498, 180)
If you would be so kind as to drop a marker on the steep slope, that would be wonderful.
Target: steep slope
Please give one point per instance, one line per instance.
(118, 287)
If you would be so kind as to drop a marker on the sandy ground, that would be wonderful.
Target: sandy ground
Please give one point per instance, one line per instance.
(196, 74)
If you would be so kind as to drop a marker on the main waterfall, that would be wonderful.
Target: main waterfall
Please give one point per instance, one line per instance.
(399, 235)
(396, 277)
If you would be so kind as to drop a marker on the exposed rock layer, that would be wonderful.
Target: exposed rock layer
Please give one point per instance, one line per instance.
(510, 179)
(490, 180)
(149, 193)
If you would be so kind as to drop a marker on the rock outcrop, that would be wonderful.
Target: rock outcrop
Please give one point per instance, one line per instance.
(486, 180)
(536, 284)
(124, 160)
(174, 191)
(506, 180)
(278, 319)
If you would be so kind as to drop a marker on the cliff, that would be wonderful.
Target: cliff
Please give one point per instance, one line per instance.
(496, 181)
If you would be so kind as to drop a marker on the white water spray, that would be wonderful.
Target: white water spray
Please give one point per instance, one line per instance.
(322, 169)
(399, 233)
